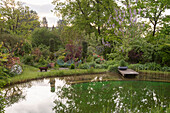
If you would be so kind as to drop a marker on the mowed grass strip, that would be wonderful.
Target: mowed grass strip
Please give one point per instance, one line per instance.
(32, 73)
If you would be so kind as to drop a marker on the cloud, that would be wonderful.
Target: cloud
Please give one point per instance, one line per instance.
(44, 10)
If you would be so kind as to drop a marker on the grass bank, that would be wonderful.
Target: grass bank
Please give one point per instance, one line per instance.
(32, 73)
(153, 72)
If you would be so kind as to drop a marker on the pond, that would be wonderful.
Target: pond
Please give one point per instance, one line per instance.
(100, 93)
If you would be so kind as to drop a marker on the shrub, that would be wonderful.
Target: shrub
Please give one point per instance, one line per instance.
(51, 56)
(92, 64)
(113, 68)
(2, 102)
(72, 66)
(84, 66)
(98, 66)
(89, 58)
(61, 57)
(42, 61)
(122, 63)
(152, 66)
(28, 59)
(137, 67)
(52, 44)
(167, 69)
(84, 52)
(105, 66)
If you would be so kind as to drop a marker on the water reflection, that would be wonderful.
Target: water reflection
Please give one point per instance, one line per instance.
(117, 96)
(88, 94)
(52, 84)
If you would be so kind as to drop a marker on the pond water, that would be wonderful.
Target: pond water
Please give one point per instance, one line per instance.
(101, 93)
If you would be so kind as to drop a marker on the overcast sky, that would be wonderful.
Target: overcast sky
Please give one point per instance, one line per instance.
(43, 8)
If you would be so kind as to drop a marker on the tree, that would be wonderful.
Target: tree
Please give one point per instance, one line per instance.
(153, 10)
(88, 15)
(44, 22)
(42, 36)
(17, 18)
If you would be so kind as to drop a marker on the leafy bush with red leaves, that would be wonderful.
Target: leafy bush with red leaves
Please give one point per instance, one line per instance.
(73, 52)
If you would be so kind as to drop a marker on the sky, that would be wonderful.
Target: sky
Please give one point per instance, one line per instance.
(43, 8)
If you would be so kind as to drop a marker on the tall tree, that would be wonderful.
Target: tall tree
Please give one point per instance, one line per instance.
(44, 22)
(88, 15)
(154, 9)
(17, 18)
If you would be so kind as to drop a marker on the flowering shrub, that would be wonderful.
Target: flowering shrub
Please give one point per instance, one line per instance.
(16, 69)
(98, 59)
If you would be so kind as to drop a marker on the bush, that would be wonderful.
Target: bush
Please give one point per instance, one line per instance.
(92, 64)
(122, 63)
(98, 66)
(72, 66)
(42, 61)
(51, 56)
(61, 58)
(137, 67)
(28, 59)
(152, 66)
(113, 68)
(2, 103)
(105, 66)
(89, 58)
(167, 69)
(84, 66)
(52, 44)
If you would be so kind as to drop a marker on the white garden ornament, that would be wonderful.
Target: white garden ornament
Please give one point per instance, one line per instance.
(16, 69)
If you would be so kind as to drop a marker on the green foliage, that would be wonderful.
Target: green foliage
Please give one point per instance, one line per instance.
(89, 58)
(91, 18)
(60, 52)
(163, 54)
(98, 66)
(113, 68)
(11, 43)
(84, 66)
(2, 102)
(122, 63)
(149, 66)
(26, 48)
(52, 44)
(52, 57)
(42, 61)
(42, 36)
(72, 66)
(28, 59)
(61, 57)
(92, 64)
(84, 53)
(19, 19)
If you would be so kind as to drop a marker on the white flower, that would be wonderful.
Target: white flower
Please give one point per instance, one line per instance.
(16, 69)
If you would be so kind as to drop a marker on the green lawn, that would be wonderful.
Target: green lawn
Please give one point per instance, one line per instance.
(31, 73)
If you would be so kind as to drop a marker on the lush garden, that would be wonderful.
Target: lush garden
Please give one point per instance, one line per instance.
(84, 41)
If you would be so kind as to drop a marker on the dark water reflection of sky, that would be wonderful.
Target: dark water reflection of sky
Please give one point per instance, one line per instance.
(65, 95)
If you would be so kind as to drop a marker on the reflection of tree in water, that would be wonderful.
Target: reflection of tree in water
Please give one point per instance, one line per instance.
(15, 93)
(113, 97)
(52, 84)
(2, 102)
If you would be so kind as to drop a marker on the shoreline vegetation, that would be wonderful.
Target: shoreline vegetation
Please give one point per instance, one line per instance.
(32, 73)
